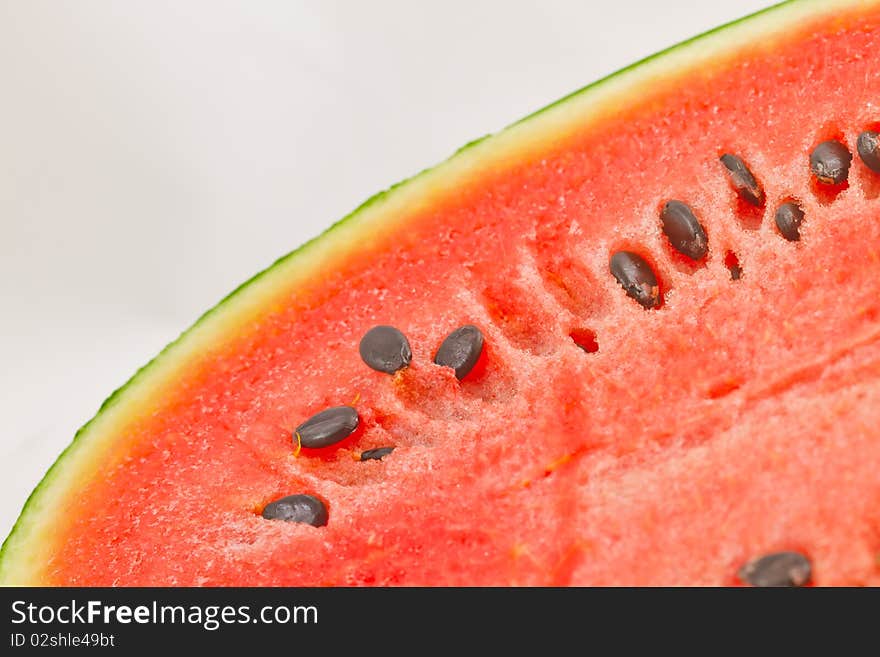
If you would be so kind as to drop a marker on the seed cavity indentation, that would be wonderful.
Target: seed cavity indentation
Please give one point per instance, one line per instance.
(327, 427)
(635, 275)
(830, 161)
(743, 180)
(868, 146)
(785, 569)
(789, 217)
(585, 339)
(385, 349)
(302, 508)
(731, 261)
(685, 232)
(461, 350)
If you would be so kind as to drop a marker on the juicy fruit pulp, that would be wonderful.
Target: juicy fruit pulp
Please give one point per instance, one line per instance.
(733, 419)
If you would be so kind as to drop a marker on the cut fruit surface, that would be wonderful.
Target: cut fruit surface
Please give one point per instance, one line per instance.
(723, 413)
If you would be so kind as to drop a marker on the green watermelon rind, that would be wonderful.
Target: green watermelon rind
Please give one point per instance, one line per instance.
(780, 12)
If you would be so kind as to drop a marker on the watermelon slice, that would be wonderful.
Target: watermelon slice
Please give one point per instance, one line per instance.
(632, 339)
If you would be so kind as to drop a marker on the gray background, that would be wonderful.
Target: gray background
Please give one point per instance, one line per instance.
(153, 155)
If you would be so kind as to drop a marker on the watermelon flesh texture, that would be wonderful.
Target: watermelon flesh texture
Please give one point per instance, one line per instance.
(737, 419)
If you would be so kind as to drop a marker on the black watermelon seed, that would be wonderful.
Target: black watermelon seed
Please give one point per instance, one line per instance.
(868, 145)
(636, 277)
(788, 220)
(777, 569)
(743, 179)
(327, 427)
(461, 350)
(376, 454)
(685, 233)
(297, 508)
(385, 349)
(830, 162)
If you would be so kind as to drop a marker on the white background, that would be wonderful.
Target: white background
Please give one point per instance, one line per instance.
(154, 155)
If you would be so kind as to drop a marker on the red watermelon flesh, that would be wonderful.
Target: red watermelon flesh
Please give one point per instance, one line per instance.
(596, 442)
